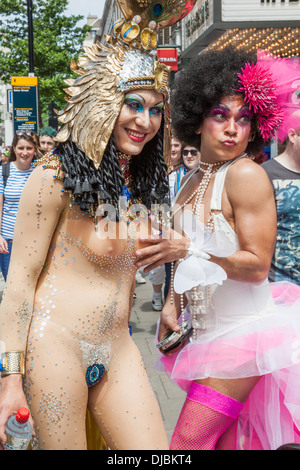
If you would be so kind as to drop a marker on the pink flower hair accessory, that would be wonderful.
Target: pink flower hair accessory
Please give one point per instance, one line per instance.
(260, 89)
(286, 73)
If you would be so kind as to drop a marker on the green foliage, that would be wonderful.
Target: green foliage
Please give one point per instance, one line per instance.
(57, 40)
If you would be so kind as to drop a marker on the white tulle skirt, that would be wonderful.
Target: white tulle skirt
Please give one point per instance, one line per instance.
(267, 346)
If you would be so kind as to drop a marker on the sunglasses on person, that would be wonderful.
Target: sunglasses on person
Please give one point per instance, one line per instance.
(193, 152)
(31, 133)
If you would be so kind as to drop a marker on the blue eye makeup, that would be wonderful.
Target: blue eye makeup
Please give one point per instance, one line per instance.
(159, 109)
(134, 104)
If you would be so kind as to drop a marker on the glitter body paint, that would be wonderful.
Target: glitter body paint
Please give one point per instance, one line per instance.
(67, 302)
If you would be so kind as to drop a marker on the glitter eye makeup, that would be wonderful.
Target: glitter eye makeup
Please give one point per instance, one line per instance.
(136, 103)
(158, 109)
(219, 111)
(222, 112)
(246, 115)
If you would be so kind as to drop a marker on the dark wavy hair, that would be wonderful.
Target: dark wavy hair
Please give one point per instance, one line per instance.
(30, 137)
(210, 76)
(89, 185)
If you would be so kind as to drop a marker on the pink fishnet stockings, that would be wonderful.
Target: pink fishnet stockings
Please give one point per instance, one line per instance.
(228, 439)
(198, 427)
(207, 421)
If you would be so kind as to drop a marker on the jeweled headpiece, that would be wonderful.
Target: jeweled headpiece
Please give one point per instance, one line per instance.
(128, 61)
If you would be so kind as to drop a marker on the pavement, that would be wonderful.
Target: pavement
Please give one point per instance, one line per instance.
(143, 322)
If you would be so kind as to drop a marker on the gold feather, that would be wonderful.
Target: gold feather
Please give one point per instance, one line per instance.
(94, 99)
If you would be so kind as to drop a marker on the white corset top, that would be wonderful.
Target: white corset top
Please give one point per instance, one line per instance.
(220, 223)
(233, 301)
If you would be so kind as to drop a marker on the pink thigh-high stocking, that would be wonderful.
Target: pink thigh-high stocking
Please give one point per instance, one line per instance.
(204, 418)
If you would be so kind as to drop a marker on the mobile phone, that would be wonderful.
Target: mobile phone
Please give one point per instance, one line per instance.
(175, 338)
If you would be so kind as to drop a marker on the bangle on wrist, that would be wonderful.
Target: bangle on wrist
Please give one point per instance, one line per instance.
(12, 363)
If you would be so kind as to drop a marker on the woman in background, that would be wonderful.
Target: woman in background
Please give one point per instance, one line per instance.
(13, 177)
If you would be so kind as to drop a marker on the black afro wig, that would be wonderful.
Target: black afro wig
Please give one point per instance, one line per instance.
(199, 87)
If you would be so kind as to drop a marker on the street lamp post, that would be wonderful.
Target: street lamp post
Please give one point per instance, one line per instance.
(31, 55)
(30, 38)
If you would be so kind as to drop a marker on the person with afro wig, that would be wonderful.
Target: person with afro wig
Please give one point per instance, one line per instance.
(225, 335)
(190, 105)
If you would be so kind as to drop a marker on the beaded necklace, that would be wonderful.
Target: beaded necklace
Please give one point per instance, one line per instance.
(127, 213)
(195, 297)
(124, 164)
(200, 191)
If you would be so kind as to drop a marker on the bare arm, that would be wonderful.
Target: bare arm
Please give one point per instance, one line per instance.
(160, 250)
(251, 200)
(39, 211)
(169, 315)
(250, 207)
(170, 246)
(132, 289)
(3, 242)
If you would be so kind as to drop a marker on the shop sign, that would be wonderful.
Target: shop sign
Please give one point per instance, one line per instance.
(260, 10)
(197, 19)
(197, 22)
(168, 56)
(25, 103)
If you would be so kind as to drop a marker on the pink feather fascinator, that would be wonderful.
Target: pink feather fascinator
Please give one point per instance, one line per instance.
(271, 88)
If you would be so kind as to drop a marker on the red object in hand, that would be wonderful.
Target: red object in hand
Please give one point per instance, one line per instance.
(22, 415)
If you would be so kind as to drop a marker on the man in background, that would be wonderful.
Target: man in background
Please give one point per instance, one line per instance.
(46, 140)
(284, 174)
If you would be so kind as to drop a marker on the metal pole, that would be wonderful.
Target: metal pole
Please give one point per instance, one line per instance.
(30, 38)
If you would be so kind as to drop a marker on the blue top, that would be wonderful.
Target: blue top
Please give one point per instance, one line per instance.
(12, 194)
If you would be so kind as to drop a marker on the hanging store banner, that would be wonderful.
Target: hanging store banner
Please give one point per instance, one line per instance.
(168, 56)
(260, 10)
(25, 103)
(197, 21)
(256, 20)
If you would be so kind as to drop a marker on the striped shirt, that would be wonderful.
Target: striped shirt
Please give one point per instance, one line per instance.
(12, 194)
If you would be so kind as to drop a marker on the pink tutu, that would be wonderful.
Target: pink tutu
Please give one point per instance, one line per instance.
(264, 345)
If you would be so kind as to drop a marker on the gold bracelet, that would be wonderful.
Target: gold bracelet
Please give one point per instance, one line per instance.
(13, 363)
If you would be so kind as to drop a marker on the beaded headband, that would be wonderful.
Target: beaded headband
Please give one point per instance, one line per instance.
(128, 61)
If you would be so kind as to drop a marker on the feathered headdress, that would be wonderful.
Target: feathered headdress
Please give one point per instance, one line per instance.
(128, 61)
(271, 88)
